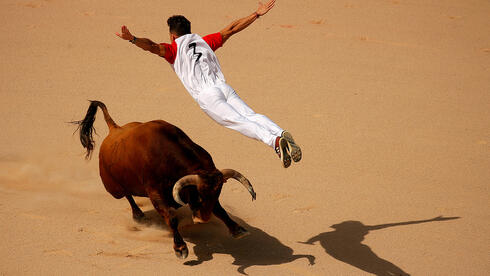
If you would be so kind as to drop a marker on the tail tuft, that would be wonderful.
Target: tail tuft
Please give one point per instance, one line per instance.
(86, 127)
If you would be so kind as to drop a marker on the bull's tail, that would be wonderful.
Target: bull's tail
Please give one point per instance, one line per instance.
(86, 126)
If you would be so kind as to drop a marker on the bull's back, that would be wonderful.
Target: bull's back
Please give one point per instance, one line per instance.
(154, 152)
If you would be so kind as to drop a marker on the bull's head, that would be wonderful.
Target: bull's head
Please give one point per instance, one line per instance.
(208, 191)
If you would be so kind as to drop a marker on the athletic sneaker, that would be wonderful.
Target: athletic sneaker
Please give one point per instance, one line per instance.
(293, 147)
(281, 148)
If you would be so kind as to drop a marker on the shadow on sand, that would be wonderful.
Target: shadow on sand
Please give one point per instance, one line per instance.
(345, 244)
(256, 249)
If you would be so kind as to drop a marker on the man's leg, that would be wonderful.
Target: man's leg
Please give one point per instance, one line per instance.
(213, 102)
(241, 107)
(234, 100)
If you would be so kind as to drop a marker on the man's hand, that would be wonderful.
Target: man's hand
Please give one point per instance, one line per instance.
(242, 23)
(143, 43)
(125, 34)
(264, 8)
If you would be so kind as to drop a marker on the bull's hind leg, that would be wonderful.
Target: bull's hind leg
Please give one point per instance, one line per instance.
(170, 218)
(236, 230)
(137, 213)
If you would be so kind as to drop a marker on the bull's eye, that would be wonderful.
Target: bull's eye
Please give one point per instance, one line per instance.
(197, 203)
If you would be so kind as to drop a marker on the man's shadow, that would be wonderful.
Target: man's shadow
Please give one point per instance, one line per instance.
(345, 244)
(258, 248)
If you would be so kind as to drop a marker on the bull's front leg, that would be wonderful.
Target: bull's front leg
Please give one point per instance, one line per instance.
(138, 215)
(170, 218)
(236, 230)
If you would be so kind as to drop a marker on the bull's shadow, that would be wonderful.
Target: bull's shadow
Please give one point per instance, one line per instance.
(345, 244)
(258, 248)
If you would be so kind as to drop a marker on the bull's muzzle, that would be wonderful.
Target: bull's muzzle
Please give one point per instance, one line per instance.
(197, 220)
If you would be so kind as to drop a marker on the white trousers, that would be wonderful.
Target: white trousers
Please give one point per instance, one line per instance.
(224, 106)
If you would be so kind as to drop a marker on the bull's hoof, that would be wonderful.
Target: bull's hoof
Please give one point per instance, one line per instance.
(239, 233)
(182, 252)
(141, 219)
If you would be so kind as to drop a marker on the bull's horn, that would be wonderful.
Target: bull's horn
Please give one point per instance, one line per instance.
(187, 180)
(230, 173)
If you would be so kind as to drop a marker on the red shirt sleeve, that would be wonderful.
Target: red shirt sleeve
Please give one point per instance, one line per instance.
(214, 40)
(170, 51)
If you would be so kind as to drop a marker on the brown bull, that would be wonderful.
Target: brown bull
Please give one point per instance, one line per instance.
(158, 160)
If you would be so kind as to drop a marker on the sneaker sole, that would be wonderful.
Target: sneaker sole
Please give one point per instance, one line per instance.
(295, 149)
(285, 157)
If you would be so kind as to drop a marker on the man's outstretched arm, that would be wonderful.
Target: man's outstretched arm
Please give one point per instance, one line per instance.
(143, 43)
(242, 23)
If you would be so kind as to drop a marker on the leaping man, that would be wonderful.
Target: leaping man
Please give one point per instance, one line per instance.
(193, 59)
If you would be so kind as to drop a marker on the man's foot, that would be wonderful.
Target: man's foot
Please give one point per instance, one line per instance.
(293, 147)
(281, 148)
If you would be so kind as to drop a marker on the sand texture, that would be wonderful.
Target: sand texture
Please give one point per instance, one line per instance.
(389, 99)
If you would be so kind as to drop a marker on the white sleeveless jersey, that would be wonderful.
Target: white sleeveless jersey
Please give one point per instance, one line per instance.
(196, 65)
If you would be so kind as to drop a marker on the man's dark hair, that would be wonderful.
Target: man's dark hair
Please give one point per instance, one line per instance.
(179, 25)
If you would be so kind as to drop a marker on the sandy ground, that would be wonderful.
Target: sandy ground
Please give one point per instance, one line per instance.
(389, 99)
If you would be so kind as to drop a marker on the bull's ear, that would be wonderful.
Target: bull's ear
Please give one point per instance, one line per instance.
(189, 194)
(184, 182)
(193, 197)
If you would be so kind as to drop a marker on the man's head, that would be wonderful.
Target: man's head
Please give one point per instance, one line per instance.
(178, 26)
